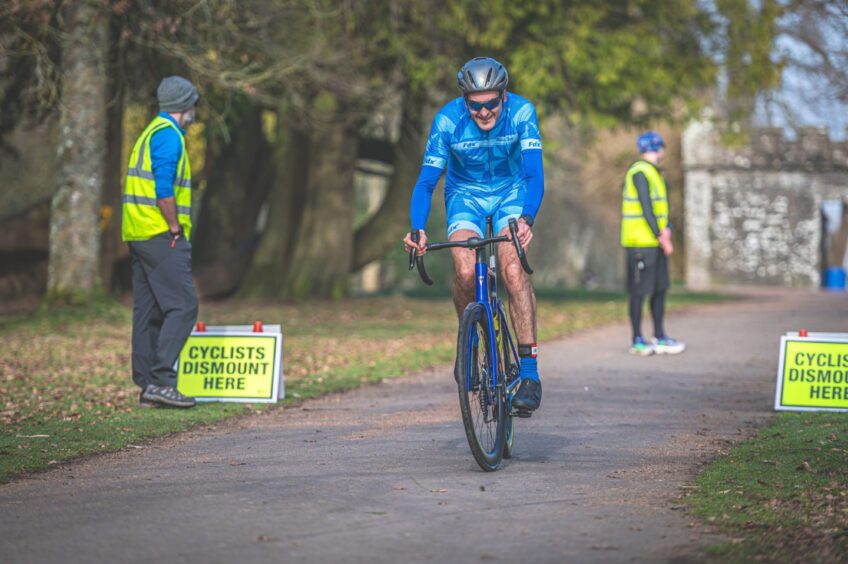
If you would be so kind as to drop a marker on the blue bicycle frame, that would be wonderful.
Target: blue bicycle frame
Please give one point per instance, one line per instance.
(486, 289)
(487, 295)
(486, 394)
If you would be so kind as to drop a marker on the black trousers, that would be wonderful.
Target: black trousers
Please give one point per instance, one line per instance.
(647, 275)
(164, 308)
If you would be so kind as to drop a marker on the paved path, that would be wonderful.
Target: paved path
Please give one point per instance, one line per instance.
(383, 474)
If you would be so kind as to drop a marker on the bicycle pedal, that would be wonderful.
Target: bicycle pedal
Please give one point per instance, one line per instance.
(523, 413)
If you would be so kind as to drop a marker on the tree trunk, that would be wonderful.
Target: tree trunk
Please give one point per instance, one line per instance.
(307, 248)
(323, 254)
(114, 255)
(239, 176)
(287, 193)
(72, 274)
(387, 226)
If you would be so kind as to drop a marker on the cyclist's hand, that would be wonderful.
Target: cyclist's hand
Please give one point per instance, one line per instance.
(408, 244)
(525, 234)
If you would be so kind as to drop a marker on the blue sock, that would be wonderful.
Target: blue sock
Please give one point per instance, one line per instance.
(529, 369)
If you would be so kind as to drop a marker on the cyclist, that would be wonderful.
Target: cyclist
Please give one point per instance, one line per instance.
(488, 140)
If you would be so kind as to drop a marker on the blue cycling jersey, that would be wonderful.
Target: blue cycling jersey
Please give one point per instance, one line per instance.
(482, 163)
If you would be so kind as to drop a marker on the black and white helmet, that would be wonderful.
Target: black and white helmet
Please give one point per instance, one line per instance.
(481, 74)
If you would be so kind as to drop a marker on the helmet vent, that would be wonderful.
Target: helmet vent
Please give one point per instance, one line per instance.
(482, 74)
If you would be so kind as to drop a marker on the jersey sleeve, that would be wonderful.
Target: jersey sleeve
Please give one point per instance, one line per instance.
(527, 126)
(435, 161)
(422, 196)
(534, 176)
(438, 143)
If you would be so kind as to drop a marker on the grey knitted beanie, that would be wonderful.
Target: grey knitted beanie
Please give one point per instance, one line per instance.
(176, 94)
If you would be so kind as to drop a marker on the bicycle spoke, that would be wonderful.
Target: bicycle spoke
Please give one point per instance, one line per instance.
(481, 396)
(480, 401)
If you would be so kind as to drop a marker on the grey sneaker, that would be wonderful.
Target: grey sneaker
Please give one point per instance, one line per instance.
(166, 395)
(143, 402)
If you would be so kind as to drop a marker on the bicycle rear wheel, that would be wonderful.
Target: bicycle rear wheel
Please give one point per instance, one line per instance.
(509, 370)
(480, 400)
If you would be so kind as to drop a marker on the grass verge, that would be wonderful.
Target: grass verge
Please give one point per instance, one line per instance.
(65, 376)
(781, 496)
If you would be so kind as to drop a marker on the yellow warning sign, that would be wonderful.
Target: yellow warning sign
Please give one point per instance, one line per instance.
(813, 375)
(239, 367)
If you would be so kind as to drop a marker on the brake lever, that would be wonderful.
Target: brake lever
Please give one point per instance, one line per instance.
(418, 260)
(522, 256)
(415, 238)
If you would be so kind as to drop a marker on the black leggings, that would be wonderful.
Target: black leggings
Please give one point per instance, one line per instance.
(657, 313)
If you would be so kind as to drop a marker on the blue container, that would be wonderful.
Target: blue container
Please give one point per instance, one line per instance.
(834, 279)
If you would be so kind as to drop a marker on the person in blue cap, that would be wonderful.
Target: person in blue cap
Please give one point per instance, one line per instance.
(646, 237)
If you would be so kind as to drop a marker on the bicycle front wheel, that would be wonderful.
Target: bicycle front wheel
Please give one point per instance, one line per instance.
(481, 400)
(509, 371)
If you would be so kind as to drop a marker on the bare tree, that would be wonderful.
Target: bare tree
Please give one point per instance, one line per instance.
(73, 268)
(817, 30)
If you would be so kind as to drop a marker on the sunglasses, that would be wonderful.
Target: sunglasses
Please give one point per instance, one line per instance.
(488, 104)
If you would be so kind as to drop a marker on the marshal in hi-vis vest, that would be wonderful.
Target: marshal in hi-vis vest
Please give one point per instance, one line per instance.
(142, 219)
(635, 231)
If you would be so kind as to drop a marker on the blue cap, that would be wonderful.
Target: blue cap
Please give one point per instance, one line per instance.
(650, 141)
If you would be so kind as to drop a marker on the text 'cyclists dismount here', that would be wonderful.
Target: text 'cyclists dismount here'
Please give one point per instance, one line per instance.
(813, 373)
(233, 364)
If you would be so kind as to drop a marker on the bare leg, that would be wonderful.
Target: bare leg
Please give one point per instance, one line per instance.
(522, 298)
(522, 309)
(463, 264)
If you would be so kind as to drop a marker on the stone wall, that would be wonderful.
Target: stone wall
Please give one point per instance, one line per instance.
(753, 213)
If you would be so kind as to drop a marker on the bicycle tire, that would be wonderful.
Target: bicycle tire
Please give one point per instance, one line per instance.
(482, 406)
(505, 363)
(509, 434)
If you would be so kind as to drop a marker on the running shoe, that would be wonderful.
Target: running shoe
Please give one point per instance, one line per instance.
(641, 348)
(667, 345)
(166, 395)
(144, 402)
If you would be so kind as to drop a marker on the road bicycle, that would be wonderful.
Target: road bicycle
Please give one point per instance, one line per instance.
(487, 363)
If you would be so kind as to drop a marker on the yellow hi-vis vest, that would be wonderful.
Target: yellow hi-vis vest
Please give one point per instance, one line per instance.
(635, 231)
(142, 219)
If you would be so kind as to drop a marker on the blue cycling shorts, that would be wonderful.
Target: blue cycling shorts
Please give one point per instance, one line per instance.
(469, 211)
